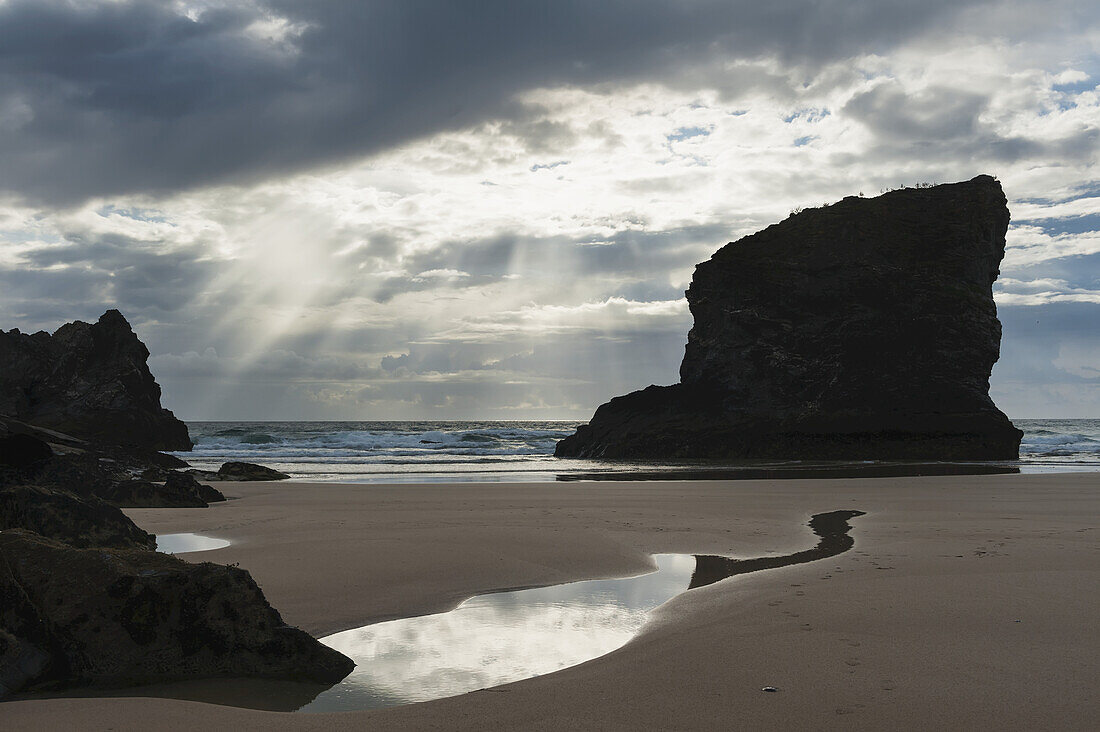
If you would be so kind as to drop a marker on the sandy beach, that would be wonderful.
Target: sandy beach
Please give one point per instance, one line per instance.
(966, 603)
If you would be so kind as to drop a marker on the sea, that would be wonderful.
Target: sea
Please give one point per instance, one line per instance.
(513, 451)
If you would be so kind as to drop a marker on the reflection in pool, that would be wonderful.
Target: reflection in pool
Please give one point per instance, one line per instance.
(180, 543)
(498, 638)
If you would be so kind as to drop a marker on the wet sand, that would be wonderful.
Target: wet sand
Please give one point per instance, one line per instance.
(967, 602)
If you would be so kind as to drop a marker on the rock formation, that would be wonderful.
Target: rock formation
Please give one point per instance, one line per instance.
(239, 471)
(118, 617)
(178, 491)
(861, 330)
(31, 499)
(27, 460)
(90, 381)
(83, 599)
(80, 521)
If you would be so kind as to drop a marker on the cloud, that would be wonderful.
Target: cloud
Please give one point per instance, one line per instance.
(105, 98)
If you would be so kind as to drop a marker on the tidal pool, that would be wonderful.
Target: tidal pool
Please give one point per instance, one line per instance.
(498, 638)
(181, 543)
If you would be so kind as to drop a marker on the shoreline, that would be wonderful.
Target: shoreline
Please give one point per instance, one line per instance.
(926, 603)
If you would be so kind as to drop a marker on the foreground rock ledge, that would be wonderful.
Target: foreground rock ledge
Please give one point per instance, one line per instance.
(862, 330)
(122, 617)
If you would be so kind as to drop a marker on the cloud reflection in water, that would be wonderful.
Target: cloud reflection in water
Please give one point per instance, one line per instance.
(183, 543)
(497, 638)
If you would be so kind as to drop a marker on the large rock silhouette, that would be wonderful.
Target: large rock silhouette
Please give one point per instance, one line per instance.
(88, 380)
(861, 330)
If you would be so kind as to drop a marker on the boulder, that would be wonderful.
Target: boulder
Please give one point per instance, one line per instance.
(861, 330)
(90, 381)
(179, 481)
(249, 471)
(115, 618)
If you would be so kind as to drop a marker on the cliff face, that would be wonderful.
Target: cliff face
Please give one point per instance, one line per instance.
(88, 380)
(861, 330)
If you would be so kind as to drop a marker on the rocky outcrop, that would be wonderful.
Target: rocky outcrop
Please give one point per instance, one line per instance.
(81, 521)
(239, 471)
(176, 492)
(862, 330)
(91, 476)
(182, 482)
(90, 381)
(62, 497)
(113, 617)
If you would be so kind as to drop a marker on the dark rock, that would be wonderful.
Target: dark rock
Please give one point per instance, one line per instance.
(185, 482)
(143, 494)
(115, 617)
(23, 452)
(129, 458)
(154, 474)
(82, 473)
(20, 662)
(249, 471)
(209, 475)
(91, 381)
(88, 475)
(82, 521)
(862, 330)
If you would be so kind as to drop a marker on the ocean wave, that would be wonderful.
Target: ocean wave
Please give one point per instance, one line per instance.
(1054, 444)
(347, 449)
(337, 443)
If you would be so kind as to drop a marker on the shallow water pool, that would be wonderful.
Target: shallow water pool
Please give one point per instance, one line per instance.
(497, 638)
(183, 543)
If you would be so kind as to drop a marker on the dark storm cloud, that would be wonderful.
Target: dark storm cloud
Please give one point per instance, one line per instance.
(107, 98)
(101, 272)
(942, 123)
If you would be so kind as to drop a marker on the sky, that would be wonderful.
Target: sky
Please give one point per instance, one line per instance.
(428, 209)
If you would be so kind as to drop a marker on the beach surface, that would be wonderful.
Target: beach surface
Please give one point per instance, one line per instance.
(966, 603)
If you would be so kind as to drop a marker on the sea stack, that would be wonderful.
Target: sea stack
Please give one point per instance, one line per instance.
(88, 380)
(864, 330)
